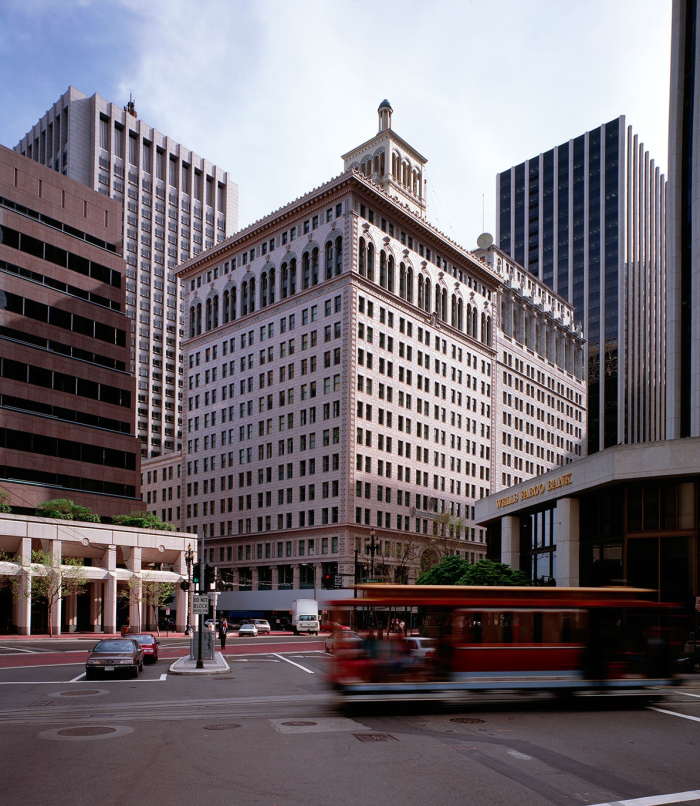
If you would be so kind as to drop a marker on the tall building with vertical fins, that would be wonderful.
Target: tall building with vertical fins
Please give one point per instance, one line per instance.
(588, 219)
(683, 254)
(175, 205)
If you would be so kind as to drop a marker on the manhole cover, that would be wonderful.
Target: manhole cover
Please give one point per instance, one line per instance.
(467, 720)
(85, 692)
(230, 726)
(375, 737)
(299, 724)
(86, 731)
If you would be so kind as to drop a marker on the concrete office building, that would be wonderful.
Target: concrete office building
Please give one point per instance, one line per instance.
(66, 392)
(587, 218)
(340, 360)
(175, 204)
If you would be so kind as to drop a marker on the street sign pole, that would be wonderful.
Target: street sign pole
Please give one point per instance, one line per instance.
(200, 662)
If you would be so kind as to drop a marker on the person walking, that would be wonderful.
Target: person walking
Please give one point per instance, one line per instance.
(222, 633)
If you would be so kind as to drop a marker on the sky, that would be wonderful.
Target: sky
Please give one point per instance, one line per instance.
(275, 91)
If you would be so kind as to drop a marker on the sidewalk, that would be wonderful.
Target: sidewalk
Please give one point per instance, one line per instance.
(189, 666)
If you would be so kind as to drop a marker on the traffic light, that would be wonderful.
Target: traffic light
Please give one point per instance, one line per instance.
(197, 573)
(209, 572)
(184, 585)
(327, 581)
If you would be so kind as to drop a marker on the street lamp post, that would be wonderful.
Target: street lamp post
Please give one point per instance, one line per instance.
(189, 556)
(372, 549)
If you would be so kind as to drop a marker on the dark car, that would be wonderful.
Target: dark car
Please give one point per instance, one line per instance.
(689, 661)
(149, 644)
(166, 623)
(114, 655)
(342, 640)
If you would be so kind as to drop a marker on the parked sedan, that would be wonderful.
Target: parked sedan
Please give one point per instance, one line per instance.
(340, 640)
(149, 644)
(263, 626)
(114, 655)
(247, 630)
(421, 648)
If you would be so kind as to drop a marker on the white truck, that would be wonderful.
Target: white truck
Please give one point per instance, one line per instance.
(305, 616)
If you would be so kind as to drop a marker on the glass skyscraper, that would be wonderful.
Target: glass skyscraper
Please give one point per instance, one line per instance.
(587, 218)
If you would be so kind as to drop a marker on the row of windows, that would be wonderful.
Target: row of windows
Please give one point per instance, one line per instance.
(63, 481)
(264, 293)
(66, 449)
(68, 415)
(60, 257)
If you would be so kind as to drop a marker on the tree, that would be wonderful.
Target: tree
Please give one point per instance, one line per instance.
(143, 520)
(65, 509)
(4, 501)
(53, 578)
(149, 594)
(487, 572)
(447, 572)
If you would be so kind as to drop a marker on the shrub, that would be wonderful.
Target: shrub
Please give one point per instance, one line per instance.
(143, 520)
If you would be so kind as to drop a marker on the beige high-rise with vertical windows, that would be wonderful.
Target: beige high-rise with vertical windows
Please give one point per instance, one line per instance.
(176, 204)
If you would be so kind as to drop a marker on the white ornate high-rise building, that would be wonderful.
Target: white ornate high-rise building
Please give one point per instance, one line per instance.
(176, 204)
(341, 391)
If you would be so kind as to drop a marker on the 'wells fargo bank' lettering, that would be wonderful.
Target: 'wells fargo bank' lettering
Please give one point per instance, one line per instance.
(537, 489)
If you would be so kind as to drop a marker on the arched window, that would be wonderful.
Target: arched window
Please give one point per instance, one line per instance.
(338, 255)
(381, 164)
(284, 281)
(421, 291)
(314, 266)
(263, 290)
(362, 265)
(428, 296)
(193, 322)
(370, 262)
(234, 302)
(488, 330)
(227, 307)
(453, 311)
(382, 269)
(390, 274)
(209, 315)
(475, 322)
(329, 260)
(443, 312)
(215, 305)
(469, 321)
(483, 327)
(244, 298)
(251, 295)
(402, 281)
(409, 285)
(460, 315)
(272, 286)
(305, 270)
(199, 318)
(293, 276)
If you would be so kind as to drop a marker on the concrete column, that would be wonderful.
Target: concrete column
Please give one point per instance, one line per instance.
(295, 576)
(181, 597)
(275, 577)
(109, 609)
(96, 589)
(70, 604)
(56, 551)
(236, 579)
(22, 608)
(137, 617)
(510, 541)
(566, 536)
(254, 578)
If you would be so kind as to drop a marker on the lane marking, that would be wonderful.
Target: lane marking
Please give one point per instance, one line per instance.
(17, 650)
(687, 694)
(655, 800)
(286, 660)
(37, 666)
(79, 677)
(519, 755)
(674, 713)
(164, 677)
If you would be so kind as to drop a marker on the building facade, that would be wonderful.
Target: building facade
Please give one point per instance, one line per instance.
(683, 244)
(340, 360)
(175, 204)
(588, 219)
(540, 389)
(66, 391)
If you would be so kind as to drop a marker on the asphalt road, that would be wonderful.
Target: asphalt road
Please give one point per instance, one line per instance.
(271, 733)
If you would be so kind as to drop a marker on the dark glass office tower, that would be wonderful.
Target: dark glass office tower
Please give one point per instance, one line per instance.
(683, 253)
(587, 218)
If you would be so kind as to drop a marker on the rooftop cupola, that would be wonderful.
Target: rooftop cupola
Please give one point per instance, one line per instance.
(384, 112)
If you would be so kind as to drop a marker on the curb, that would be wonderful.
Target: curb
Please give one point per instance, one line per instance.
(188, 666)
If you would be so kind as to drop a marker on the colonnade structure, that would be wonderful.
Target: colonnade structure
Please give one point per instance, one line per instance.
(111, 555)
